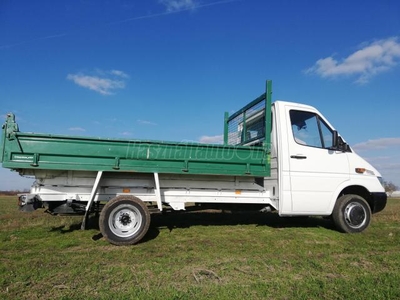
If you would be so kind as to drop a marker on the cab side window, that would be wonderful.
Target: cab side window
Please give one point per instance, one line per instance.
(310, 130)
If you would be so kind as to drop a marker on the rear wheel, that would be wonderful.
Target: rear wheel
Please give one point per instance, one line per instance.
(351, 214)
(124, 220)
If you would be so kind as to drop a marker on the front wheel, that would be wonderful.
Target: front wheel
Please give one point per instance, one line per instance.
(124, 220)
(351, 214)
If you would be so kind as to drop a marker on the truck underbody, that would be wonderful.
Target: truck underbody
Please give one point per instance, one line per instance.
(67, 192)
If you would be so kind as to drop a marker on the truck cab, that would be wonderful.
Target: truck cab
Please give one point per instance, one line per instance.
(313, 171)
(316, 165)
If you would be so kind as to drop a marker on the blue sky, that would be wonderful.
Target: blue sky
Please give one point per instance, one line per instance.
(169, 69)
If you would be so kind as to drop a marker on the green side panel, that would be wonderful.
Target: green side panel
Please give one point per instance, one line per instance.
(20, 150)
(39, 151)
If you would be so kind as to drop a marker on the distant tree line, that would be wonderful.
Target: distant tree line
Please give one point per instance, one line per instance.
(390, 187)
(13, 192)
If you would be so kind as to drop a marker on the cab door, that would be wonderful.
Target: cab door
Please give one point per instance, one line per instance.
(315, 169)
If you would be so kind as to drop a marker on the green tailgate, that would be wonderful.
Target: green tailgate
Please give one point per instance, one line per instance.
(56, 152)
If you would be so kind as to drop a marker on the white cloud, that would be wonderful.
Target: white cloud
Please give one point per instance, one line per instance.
(103, 82)
(177, 5)
(119, 73)
(126, 133)
(370, 60)
(216, 139)
(384, 155)
(377, 144)
(388, 166)
(145, 122)
(76, 129)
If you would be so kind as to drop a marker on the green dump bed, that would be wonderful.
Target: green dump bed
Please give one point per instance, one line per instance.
(21, 150)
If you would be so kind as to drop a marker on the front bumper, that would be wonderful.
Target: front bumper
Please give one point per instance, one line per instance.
(377, 201)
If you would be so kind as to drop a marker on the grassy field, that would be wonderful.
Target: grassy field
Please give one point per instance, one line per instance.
(199, 256)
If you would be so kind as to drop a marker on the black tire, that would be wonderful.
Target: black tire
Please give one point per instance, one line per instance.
(124, 220)
(351, 214)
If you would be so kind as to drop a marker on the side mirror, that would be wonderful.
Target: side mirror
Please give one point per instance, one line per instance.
(338, 143)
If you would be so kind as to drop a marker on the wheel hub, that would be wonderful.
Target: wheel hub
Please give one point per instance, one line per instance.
(125, 219)
(355, 215)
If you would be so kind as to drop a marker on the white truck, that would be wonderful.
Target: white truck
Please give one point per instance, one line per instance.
(282, 156)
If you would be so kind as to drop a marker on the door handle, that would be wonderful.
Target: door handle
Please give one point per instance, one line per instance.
(298, 156)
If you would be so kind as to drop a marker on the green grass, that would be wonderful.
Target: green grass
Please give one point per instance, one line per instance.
(199, 256)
